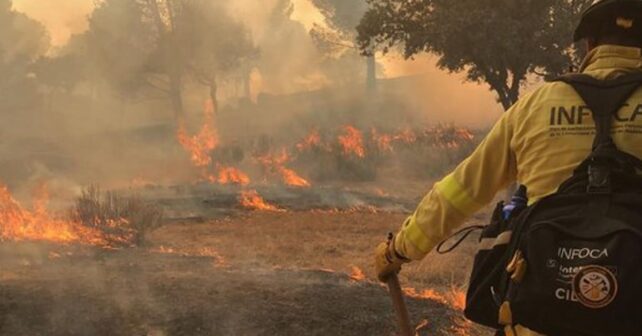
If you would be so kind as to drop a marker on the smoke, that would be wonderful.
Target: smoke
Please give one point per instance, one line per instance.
(443, 97)
(87, 114)
(62, 18)
(436, 95)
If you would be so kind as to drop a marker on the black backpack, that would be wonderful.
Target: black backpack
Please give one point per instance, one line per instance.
(571, 264)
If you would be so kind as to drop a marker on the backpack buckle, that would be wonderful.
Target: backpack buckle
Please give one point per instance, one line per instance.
(599, 179)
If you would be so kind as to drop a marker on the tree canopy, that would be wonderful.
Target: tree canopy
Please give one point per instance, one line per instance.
(22, 40)
(337, 38)
(214, 45)
(498, 43)
(154, 46)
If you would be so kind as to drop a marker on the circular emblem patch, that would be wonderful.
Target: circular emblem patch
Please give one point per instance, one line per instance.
(595, 286)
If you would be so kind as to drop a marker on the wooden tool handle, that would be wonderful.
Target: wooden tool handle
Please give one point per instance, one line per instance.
(400, 306)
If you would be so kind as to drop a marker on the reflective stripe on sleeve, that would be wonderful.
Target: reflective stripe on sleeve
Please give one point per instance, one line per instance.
(416, 236)
(450, 189)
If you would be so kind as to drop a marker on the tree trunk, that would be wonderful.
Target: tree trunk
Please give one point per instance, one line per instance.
(176, 96)
(169, 57)
(247, 85)
(371, 75)
(506, 96)
(213, 95)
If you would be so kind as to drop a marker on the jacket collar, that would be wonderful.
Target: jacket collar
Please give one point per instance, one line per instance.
(613, 57)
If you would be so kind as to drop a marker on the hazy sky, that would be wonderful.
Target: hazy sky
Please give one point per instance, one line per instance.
(61, 17)
(65, 17)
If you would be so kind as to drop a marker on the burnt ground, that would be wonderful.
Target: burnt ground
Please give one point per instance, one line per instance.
(257, 274)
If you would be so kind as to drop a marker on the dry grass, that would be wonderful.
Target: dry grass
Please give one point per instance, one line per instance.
(336, 241)
(123, 220)
(332, 241)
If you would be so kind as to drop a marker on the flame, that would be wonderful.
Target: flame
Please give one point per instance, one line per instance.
(230, 175)
(456, 299)
(352, 142)
(200, 147)
(202, 143)
(357, 274)
(450, 137)
(20, 224)
(252, 200)
(291, 178)
(382, 140)
(276, 164)
(406, 136)
(426, 294)
(312, 140)
(422, 325)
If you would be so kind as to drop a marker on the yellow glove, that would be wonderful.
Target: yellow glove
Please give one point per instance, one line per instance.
(387, 260)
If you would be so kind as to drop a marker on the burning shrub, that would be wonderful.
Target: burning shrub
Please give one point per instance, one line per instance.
(124, 221)
(357, 155)
(438, 149)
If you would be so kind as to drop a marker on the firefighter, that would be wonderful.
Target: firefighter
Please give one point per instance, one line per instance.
(538, 142)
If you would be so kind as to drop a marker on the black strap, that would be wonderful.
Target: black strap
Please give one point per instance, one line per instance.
(465, 232)
(604, 98)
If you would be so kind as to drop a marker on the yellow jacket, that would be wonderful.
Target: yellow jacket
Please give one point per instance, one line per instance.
(538, 143)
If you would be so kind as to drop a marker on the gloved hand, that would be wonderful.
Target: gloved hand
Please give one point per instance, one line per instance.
(387, 260)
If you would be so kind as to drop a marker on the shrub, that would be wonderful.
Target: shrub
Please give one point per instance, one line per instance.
(124, 221)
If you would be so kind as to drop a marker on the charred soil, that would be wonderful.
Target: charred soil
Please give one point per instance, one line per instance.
(304, 273)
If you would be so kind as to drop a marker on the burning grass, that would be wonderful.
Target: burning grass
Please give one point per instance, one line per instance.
(253, 201)
(122, 221)
(347, 153)
(344, 153)
(38, 224)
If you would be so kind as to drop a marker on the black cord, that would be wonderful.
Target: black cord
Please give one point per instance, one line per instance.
(465, 232)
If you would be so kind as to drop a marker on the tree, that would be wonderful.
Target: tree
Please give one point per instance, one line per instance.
(22, 41)
(289, 57)
(337, 38)
(117, 46)
(197, 38)
(499, 43)
(214, 43)
(138, 46)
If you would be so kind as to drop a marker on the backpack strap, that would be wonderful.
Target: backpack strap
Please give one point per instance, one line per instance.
(604, 98)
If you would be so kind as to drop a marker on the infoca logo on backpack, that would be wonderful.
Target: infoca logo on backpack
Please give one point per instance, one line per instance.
(570, 264)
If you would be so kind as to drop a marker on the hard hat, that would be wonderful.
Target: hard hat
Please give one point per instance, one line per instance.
(623, 13)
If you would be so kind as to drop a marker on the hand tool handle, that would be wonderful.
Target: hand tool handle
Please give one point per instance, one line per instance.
(400, 306)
